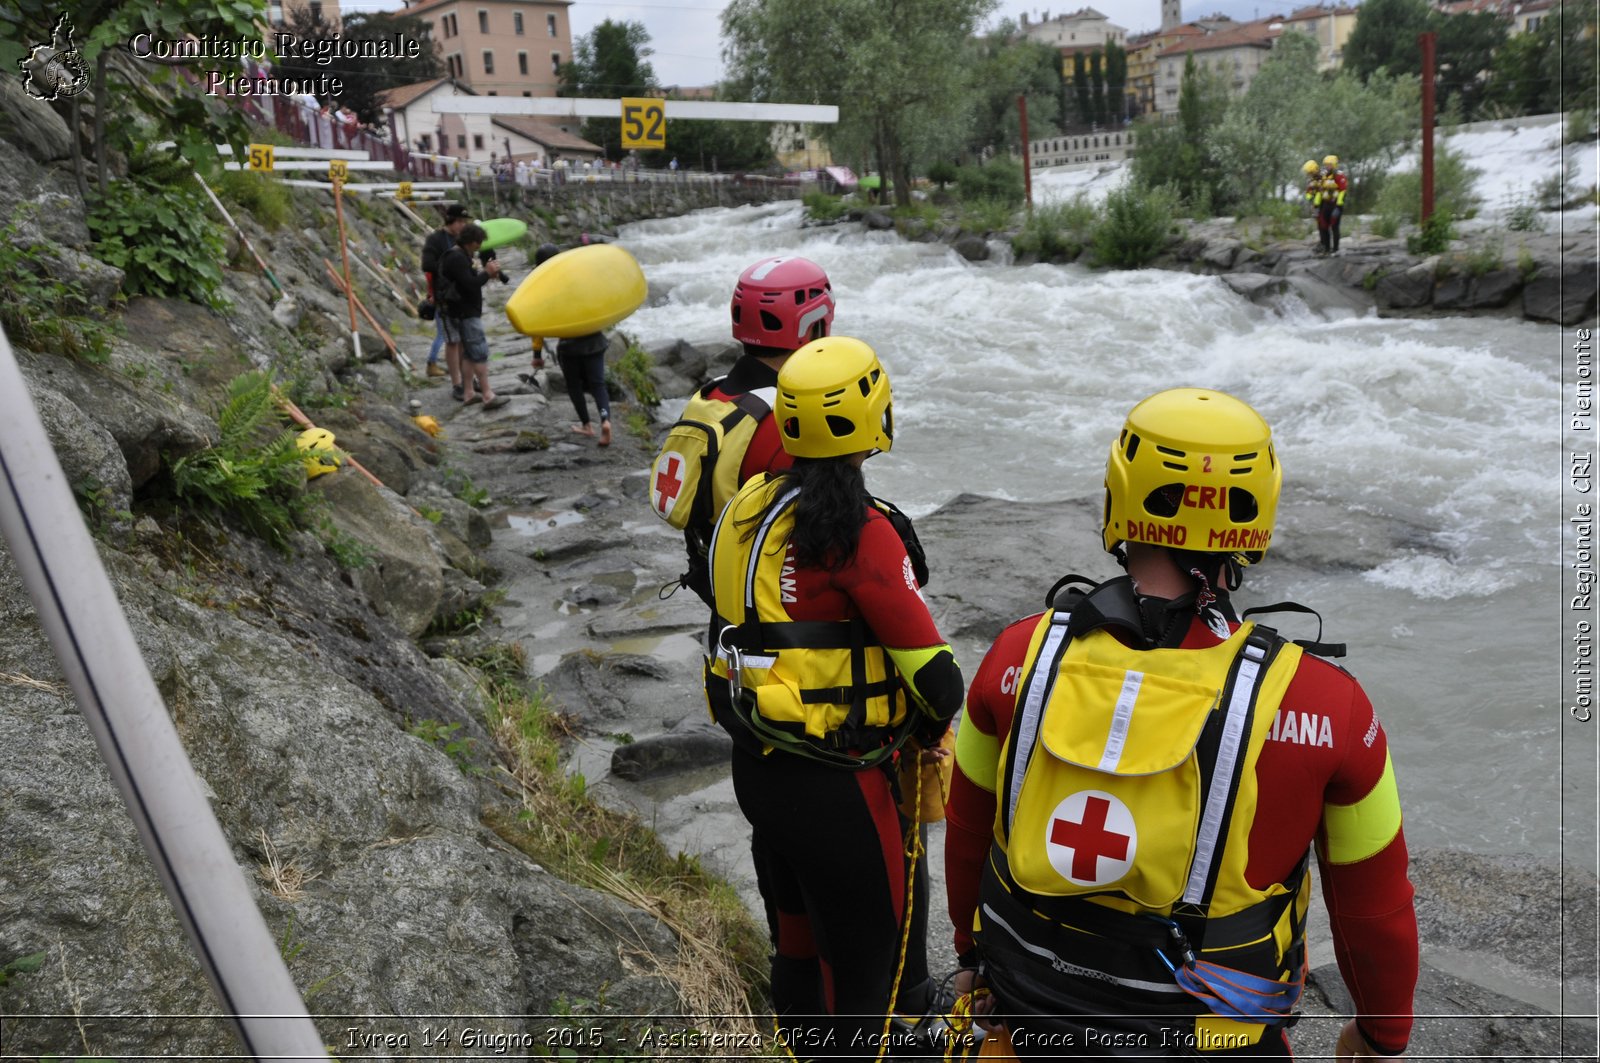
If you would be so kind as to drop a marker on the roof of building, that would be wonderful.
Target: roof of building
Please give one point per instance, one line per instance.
(543, 131)
(403, 96)
(424, 5)
(1316, 11)
(1258, 34)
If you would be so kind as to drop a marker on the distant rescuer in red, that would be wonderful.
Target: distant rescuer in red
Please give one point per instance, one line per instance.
(1142, 777)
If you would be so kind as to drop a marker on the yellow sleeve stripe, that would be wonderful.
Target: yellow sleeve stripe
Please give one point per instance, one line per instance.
(1363, 829)
(977, 754)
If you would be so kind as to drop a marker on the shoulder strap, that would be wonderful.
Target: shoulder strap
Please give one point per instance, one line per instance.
(1316, 646)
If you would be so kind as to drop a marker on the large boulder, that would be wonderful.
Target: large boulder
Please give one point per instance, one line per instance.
(367, 849)
(1562, 292)
(403, 558)
(1406, 289)
(147, 425)
(32, 125)
(89, 455)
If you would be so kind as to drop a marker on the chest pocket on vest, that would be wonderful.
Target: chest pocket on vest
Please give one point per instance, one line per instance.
(1112, 797)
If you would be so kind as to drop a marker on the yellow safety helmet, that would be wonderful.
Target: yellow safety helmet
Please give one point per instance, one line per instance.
(1330, 161)
(1193, 469)
(833, 400)
(317, 452)
(1310, 166)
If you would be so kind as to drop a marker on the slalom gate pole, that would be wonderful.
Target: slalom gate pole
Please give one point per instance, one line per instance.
(80, 614)
(395, 354)
(375, 275)
(248, 246)
(344, 250)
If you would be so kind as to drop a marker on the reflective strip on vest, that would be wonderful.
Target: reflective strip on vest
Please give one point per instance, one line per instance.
(773, 513)
(1031, 706)
(1120, 719)
(1221, 790)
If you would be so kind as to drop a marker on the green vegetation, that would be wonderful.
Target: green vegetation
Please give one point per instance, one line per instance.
(461, 485)
(640, 426)
(822, 207)
(987, 216)
(1058, 230)
(1526, 265)
(254, 472)
(722, 961)
(21, 965)
(1434, 235)
(999, 180)
(264, 198)
(1136, 225)
(634, 369)
(443, 735)
(41, 310)
(1452, 189)
(156, 225)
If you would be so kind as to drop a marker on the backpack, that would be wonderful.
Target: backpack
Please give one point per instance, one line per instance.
(696, 471)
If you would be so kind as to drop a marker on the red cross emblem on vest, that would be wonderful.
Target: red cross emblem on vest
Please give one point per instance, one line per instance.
(667, 482)
(1091, 838)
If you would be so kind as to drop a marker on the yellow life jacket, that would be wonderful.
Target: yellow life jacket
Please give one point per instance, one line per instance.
(824, 689)
(1126, 795)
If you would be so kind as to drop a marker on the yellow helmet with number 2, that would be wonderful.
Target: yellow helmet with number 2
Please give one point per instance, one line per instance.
(833, 400)
(1310, 166)
(1330, 161)
(1193, 469)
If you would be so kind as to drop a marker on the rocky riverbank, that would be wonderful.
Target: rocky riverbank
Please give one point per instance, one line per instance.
(1538, 275)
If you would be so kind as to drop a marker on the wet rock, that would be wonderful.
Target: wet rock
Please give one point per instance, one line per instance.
(32, 124)
(972, 248)
(583, 685)
(1466, 292)
(593, 595)
(1256, 287)
(877, 220)
(1406, 289)
(1562, 292)
(696, 746)
(671, 385)
(1221, 253)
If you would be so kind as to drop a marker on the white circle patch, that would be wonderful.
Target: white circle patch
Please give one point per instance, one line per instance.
(666, 482)
(1091, 839)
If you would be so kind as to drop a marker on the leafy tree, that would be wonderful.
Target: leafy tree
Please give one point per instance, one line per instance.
(894, 67)
(1176, 154)
(1369, 127)
(609, 62)
(717, 145)
(1004, 67)
(365, 78)
(1116, 81)
(1097, 82)
(196, 122)
(1080, 85)
(1465, 46)
(1270, 130)
(1385, 37)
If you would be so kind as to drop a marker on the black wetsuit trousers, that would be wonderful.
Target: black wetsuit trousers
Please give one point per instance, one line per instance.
(830, 862)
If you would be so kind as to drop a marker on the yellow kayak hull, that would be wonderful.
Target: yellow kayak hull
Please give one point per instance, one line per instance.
(584, 290)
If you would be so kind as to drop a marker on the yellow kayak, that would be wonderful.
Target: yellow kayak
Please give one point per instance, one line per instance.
(584, 290)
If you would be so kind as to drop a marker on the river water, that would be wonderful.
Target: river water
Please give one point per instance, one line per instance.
(1447, 432)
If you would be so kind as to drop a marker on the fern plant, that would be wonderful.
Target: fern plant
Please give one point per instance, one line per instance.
(254, 471)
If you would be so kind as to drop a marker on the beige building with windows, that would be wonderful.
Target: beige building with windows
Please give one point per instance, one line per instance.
(1330, 26)
(500, 47)
(1081, 31)
(1236, 53)
(480, 137)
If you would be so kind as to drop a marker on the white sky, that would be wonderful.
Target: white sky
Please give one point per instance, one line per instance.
(686, 35)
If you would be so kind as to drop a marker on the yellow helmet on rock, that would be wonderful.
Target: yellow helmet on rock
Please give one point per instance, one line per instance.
(1310, 166)
(1330, 161)
(317, 452)
(1193, 469)
(833, 400)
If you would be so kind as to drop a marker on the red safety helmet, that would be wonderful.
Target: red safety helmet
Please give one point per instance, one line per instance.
(779, 301)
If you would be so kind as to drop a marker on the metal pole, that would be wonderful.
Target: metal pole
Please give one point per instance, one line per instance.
(1426, 40)
(1027, 163)
(248, 246)
(89, 633)
(344, 251)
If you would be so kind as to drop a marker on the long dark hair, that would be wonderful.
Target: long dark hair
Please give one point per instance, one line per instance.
(829, 513)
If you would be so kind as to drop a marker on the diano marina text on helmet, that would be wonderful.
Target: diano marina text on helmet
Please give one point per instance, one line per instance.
(1193, 469)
